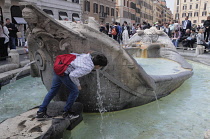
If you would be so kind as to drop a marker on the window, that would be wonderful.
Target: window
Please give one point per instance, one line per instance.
(195, 14)
(205, 4)
(177, 2)
(101, 9)
(112, 11)
(127, 3)
(190, 14)
(177, 9)
(49, 12)
(87, 6)
(95, 8)
(194, 21)
(190, 7)
(63, 16)
(124, 2)
(1, 15)
(184, 0)
(75, 17)
(107, 10)
(196, 6)
(202, 21)
(75, 1)
(204, 13)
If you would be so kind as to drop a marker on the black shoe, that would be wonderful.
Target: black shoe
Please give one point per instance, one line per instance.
(70, 116)
(42, 115)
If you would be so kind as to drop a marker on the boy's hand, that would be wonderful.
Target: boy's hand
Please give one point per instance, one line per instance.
(79, 88)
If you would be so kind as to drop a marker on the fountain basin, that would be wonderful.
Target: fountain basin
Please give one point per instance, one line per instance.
(124, 83)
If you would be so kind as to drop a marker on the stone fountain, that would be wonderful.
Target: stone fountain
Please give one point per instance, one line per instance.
(124, 83)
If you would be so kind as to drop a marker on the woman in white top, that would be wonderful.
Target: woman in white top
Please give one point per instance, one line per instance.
(125, 36)
(4, 41)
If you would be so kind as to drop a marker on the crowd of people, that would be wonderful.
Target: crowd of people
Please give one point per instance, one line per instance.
(10, 36)
(184, 33)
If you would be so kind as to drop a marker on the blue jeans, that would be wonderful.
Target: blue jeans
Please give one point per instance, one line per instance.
(56, 83)
(175, 42)
(12, 42)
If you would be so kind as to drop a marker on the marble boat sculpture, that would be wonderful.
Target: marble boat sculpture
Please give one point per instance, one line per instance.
(124, 83)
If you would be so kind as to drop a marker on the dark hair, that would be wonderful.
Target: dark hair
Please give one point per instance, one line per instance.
(7, 19)
(125, 22)
(193, 30)
(99, 59)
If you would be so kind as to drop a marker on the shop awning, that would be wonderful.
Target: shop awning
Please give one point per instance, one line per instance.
(20, 20)
(76, 18)
(63, 17)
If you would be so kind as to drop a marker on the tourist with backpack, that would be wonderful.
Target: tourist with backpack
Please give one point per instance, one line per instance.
(67, 69)
(115, 31)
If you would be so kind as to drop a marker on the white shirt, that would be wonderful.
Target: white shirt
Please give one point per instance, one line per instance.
(81, 66)
(185, 24)
(4, 33)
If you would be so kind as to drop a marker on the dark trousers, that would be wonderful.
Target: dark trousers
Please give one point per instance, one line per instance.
(56, 83)
(206, 35)
(3, 49)
(12, 42)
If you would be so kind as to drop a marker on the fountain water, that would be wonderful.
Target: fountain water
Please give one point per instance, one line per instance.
(14, 78)
(102, 109)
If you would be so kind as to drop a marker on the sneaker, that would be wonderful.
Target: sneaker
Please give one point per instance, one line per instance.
(42, 115)
(70, 116)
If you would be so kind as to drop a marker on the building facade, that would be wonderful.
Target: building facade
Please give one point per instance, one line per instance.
(102, 10)
(197, 10)
(59, 9)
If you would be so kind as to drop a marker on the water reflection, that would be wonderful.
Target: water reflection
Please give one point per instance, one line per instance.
(184, 114)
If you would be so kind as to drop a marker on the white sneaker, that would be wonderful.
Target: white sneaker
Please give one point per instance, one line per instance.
(72, 116)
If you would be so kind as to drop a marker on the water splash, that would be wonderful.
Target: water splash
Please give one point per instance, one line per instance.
(157, 101)
(14, 78)
(102, 109)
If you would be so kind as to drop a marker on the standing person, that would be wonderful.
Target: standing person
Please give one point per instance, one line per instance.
(145, 25)
(171, 26)
(133, 29)
(201, 40)
(4, 36)
(186, 24)
(125, 35)
(198, 28)
(125, 24)
(80, 65)
(206, 24)
(167, 30)
(12, 33)
(176, 37)
(115, 31)
(119, 37)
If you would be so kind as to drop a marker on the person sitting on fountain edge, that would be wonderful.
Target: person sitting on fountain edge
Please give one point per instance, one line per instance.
(82, 65)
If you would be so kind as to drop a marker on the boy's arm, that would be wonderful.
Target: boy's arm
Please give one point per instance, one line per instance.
(77, 73)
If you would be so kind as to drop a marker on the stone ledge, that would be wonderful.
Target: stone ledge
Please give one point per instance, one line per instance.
(26, 126)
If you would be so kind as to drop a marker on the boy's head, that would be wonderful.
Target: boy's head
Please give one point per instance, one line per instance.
(99, 60)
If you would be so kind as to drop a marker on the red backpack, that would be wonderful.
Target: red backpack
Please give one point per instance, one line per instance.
(62, 62)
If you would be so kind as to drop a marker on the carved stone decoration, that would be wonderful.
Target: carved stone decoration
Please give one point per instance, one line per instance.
(124, 83)
(40, 59)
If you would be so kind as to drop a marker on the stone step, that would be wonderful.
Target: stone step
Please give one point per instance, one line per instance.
(6, 76)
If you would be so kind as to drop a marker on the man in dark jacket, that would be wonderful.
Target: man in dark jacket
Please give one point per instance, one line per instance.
(12, 33)
(115, 27)
(207, 28)
(186, 24)
(186, 39)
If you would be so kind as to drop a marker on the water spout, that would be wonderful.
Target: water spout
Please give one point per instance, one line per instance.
(14, 78)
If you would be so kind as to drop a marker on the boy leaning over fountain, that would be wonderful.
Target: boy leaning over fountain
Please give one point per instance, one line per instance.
(82, 65)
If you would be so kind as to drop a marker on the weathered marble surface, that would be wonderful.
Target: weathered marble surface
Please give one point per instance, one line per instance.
(25, 126)
(124, 83)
